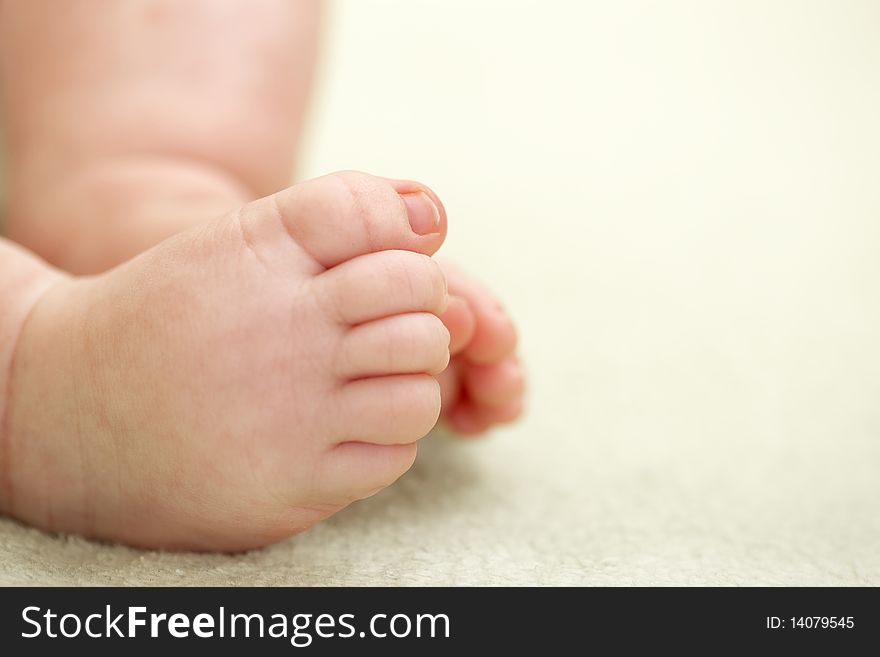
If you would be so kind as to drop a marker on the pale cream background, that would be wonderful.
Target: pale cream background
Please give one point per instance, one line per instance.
(680, 203)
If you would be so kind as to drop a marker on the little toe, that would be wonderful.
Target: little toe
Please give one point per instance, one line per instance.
(466, 420)
(353, 471)
(471, 419)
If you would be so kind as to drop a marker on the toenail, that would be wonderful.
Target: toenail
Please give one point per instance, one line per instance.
(424, 217)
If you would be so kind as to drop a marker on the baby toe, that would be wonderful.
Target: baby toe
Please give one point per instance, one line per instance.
(494, 337)
(353, 471)
(382, 284)
(471, 419)
(459, 319)
(389, 410)
(411, 343)
(494, 385)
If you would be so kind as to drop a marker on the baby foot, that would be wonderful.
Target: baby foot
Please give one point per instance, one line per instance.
(484, 383)
(242, 380)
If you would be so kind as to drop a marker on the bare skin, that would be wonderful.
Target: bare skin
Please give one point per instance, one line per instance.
(263, 362)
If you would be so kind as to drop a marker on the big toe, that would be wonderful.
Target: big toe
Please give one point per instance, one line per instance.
(343, 215)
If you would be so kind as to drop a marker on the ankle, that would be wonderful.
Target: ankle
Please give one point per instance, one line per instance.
(106, 213)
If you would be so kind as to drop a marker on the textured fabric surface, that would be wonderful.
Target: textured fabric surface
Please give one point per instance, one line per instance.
(679, 202)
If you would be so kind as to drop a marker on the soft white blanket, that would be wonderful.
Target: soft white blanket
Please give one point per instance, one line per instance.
(680, 202)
